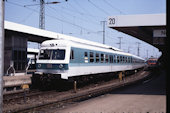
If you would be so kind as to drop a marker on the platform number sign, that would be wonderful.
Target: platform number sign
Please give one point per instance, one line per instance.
(111, 21)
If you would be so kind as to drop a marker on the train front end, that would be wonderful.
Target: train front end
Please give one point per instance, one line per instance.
(53, 59)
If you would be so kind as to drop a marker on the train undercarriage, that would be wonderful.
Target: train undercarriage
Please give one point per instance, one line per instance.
(54, 81)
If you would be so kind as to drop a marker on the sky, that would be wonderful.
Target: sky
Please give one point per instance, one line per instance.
(82, 19)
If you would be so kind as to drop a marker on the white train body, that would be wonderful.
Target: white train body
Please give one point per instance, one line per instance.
(70, 58)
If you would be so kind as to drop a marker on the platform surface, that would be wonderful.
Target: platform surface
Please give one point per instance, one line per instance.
(146, 97)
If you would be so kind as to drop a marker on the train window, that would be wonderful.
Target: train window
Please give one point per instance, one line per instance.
(91, 57)
(120, 59)
(97, 57)
(45, 54)
(128, 59)
(131, 60)
(102, 58)
(123, 58)
(85, 54)
(85, 57)
(58, 54)
(107, 59)
(72, 54)
(111, 58)
(117, 59)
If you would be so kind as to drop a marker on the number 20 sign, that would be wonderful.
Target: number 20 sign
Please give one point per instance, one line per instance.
(111, 21)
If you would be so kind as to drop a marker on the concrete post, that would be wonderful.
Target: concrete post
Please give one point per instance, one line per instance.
(75, 86)
(1, 52)
(120, 76)
(123, 75)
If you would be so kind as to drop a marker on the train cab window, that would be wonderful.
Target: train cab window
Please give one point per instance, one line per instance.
(107, 59)
(86, 57)
(49, 54)
(45, 54)
(97, 57)
(102, 58)
(72, 55)
(111, 58)
(58, 54)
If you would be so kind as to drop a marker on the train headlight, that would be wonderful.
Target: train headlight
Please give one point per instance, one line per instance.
(39, 65)
(61, 66)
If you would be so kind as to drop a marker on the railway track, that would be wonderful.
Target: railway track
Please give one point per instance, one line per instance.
(59, 99)
(26, 94)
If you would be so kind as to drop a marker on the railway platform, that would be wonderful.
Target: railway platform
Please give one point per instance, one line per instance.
(147, 96)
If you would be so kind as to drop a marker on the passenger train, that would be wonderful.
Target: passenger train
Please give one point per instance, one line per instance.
(68, 59)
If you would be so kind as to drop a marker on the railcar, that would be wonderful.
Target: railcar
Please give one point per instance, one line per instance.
(67, 59)
(152, 61)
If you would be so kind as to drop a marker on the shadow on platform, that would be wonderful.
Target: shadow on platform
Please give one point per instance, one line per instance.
(153, 86)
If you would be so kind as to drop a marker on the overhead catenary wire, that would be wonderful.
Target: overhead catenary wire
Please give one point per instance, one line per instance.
(98, 7)
(83, 19)
(109, 4)
(28, 16)
(81, 13)
(85, 10)
(80, 27)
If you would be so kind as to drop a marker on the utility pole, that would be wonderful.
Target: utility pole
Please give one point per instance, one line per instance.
(120, 42)
(42, 15)
(42, 12)
(147, 53)
(104, 23)
(1, 52)
(138, 48)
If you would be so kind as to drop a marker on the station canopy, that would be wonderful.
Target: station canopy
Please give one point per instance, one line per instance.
(150, 28)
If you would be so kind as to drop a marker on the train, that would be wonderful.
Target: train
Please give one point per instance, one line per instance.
(68, 59)
(152, 63)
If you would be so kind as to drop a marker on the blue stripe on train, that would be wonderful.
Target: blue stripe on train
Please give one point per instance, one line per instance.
(52, 66)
